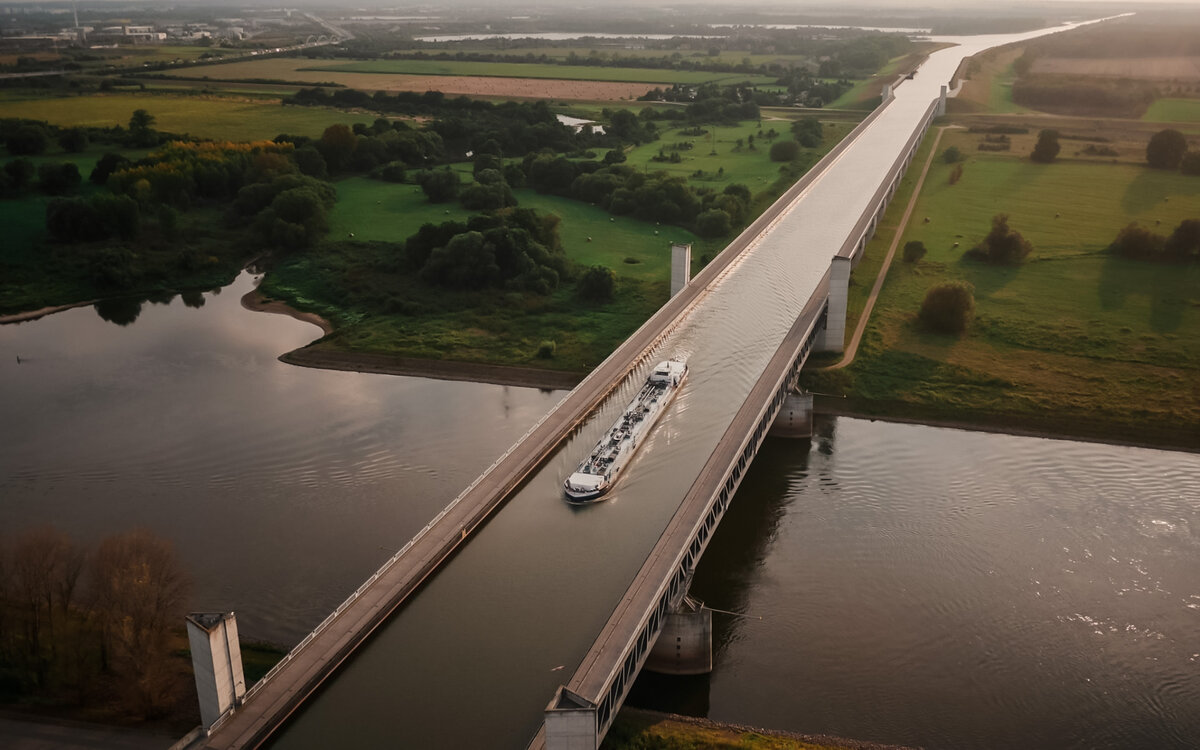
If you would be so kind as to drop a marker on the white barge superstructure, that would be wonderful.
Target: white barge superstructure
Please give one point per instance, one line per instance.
(600, 470)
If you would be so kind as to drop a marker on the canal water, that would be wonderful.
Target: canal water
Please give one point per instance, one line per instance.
(915, 584)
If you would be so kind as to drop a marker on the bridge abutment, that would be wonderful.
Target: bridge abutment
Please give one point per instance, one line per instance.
(833, 338)
(794, 419)
(684, 646)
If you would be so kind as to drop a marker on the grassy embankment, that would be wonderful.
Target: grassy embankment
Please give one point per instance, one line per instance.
(343, 279)
(1074, 341)
(1174, 110)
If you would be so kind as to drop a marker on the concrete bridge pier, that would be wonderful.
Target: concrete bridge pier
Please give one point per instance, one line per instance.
(794, 419)
(684, 646)
(941, 105)
(681, 267)
(833, 338)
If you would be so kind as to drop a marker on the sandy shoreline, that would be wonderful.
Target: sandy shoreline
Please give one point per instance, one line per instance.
(24, 317)
(254, 300)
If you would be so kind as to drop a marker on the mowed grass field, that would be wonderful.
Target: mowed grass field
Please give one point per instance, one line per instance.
(1173, 110)
(205, 117)
(536, 70)
(1074, 340)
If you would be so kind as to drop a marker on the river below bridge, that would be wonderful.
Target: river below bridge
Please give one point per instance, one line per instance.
(916, 585)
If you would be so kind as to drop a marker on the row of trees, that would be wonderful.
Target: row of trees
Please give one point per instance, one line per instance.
(78, 624)
(1139, 243)
(34, 137)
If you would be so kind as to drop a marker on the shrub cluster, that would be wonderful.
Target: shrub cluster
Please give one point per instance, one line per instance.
(1138, 243)
(948, 308)
(1002, 245)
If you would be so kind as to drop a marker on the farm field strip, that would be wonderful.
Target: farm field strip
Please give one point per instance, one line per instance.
(227, 119)
(534, 70)
(1144, 68)
(1173, 110)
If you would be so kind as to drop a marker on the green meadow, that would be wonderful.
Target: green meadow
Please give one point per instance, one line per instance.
(205, 117)
(1173, 110)
(415, 320)
(1074, 340)
(536, 70)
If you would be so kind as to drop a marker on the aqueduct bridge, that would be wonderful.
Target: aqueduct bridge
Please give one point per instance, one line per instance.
(495, 630)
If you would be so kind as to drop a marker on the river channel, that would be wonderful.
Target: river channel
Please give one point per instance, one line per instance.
(916, 585)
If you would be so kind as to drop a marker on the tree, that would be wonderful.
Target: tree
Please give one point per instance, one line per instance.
(58, 179)
(27, 140)
(1002, 246)
(914, 251)
(107, 164)
(140, 590)
(440, 185)
(141, 125)
(1047, 147)
(952, 155)
(948, 308)
(785, 151)
(73, 140)
(807, 132)
(1137, 243)
(597, 284)
(1184, 242)
(46, 567)
(337, 143)
(1166, 149)
(714, 222)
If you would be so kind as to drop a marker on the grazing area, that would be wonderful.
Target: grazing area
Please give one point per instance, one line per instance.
(524, 70)
(1072, 340)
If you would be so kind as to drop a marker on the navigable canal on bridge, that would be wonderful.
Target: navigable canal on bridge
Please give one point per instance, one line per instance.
(916, 584)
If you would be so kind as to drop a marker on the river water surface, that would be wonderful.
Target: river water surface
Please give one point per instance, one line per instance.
(915, 584)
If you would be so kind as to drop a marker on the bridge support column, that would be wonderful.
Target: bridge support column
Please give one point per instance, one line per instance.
(794, 419)
(685, 644)
(833, 339)
(941, 107)
(570, 722)
(216, 663)
(681, 267)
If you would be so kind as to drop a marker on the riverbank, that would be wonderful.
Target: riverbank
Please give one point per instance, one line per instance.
(640, 729)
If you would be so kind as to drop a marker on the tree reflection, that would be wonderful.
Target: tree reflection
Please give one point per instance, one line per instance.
(119, 310)
(192, 299)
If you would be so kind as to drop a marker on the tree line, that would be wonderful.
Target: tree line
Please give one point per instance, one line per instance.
(82, 625)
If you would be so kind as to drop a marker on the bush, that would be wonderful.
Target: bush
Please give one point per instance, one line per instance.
(785, 151)
(393, 172)
(546, 349)
(58, 179)
(598, 284)
(1166, 149)
(713, 223)
(948, 308)
(1002, 246)
(914, 251)
(1137, 243)
(27, 140)
(1184, 242)
(952, 155)
(1047, 147)
(1190, 163)
(440, 186)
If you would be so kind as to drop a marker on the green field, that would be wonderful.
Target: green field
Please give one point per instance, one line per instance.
(1074, 340)
(391, 212)
(726, 57)
(1173, 110)
(753, 169)
(204, 117)
(525, 70)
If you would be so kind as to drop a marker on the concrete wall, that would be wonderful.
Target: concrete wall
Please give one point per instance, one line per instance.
(570, 722)
(833, 339)
(681, 267)
(685, 644)
(794, 419)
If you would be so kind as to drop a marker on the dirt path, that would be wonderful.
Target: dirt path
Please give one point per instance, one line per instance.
(852, 349)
